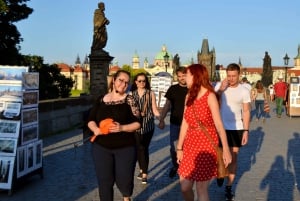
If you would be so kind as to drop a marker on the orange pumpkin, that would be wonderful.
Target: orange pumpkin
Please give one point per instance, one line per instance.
(104, 125)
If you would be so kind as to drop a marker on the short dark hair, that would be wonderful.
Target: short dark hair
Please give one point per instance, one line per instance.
(233, 67)
(181, 69)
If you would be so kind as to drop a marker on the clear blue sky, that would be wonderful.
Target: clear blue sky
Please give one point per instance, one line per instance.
(62, 29)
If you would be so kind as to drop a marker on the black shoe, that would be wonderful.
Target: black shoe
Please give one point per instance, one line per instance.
(173, 172)
(144, 180)
(139, 176)
(228, 194)
(220, 182)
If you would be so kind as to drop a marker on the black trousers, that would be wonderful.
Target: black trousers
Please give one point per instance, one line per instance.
(143, 143)
(114, 166)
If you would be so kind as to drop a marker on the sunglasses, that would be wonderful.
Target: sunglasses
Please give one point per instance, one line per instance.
(139, 81)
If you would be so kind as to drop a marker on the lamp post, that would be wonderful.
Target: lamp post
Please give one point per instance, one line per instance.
(166, 60)
(286, 63)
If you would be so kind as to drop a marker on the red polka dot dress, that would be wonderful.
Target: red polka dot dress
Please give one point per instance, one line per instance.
(199, 162)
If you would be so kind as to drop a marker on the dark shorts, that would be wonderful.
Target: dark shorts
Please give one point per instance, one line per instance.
(234, 137)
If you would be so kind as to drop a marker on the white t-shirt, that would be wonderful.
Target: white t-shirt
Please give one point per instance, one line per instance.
(232, 101)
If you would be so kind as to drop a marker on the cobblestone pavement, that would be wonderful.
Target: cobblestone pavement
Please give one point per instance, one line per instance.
(263, 172)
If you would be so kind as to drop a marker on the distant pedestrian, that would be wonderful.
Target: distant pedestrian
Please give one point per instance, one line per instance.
(245, 83)
(259, 97)
(271, 91)
(175, 97)
(235, 113)
(280, 89)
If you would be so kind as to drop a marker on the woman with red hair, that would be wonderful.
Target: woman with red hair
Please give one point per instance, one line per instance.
(196, 155)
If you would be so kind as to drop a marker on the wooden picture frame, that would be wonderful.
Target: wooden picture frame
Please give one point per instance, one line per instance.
(29, 116)
(21, 161)
(30, 99)
(8, 146)
(30, 80)
(29, 134)
(9, 128)
(6, 169)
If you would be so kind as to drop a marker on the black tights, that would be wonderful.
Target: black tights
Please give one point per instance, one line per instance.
(143, 143)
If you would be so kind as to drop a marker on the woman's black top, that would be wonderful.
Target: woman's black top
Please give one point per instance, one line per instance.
(123, 111)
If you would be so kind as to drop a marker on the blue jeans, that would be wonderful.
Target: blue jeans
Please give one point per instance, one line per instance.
(259, 109)
(279, 101)
(174, 135)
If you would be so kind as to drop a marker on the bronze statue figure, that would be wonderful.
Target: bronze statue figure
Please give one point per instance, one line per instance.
(100, 33)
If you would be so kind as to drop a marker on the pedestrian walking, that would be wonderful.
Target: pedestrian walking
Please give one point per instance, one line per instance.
(175, 97)
(146, 101)
(280, 89)
(114, 150)
(200, 128)
(235, 113)
(259, 97)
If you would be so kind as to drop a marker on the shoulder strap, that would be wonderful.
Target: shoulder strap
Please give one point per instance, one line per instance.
(204, 129)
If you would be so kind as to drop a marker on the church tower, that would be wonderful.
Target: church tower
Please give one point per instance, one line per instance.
(135, 61)
(207, 58)
(297, 59)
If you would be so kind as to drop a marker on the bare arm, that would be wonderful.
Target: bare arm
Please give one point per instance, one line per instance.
(246, 122)
(154, 106)
(163, 114)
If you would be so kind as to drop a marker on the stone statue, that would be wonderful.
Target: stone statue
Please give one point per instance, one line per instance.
(100, 33)
(176, 62)
(267, 75)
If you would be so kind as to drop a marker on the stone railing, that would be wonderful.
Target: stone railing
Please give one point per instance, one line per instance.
(59, 115)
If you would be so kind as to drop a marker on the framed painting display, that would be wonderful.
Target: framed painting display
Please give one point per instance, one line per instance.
(9, 128)
(29, 116)
(10, 93)
(12, 74)
(38, 154)
(30, 157)
(30, 99)
(8, 146)
(30, 81)
(6, 170)
(29, 134)
(21, 161)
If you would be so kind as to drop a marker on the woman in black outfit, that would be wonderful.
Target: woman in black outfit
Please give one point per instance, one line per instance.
(114, 153)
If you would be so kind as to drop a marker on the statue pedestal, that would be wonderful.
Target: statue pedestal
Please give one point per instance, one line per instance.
(99, 65)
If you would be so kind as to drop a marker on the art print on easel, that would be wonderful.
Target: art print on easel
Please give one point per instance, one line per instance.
(30, 81)
(30, 157)
(6, 172)
(9, 128)
(29, 116)
(29, 134)
(38, 154)
(30, 99)
(8, 146)
(21, 161)
(12, 74)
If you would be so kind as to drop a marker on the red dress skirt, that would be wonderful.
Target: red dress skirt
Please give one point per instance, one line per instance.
(199, 162)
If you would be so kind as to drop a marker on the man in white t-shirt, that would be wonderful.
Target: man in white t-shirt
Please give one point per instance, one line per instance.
(235, 113)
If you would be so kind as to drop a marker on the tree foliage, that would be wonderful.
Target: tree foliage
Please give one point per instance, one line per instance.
(53, 84)
(11, 11)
